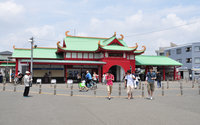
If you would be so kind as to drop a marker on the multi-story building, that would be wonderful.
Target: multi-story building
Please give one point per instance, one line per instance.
(189, 56)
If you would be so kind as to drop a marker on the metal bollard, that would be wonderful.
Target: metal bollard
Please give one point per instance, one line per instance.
(192, 83)
(95, 92)
(120, 90)
(142, 89)
(163, 92)
(54, 89)
(167, 83)
(71, 89)
(181, 88)
(4, 86)
(40, 88)
(139, 84)
(15, 87)
(199, 86)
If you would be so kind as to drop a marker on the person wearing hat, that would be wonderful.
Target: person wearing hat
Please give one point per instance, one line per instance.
(109, 79)
(150, 79)
(130, 83)
(27, 80)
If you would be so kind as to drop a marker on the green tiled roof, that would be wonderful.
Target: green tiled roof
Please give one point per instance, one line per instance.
(87, 43)
(37, 53)
(155, 61)
(5, 64)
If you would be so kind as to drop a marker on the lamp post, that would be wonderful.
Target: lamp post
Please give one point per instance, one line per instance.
(32, 41)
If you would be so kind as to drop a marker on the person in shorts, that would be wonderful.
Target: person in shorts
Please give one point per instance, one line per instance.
(109, 79)
(150, 79)
(130, 83)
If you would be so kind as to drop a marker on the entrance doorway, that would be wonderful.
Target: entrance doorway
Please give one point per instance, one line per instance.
(118, 73)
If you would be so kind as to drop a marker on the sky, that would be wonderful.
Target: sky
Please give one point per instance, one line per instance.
(152, 23)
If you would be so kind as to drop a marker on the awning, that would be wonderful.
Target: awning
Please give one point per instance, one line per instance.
(5, 65)
(66, 62)
(156, 61)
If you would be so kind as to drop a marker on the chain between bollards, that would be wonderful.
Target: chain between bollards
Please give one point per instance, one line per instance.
(120, 90)
(54, 89)
(163, 91)
(71, 90)
(142, 89)
(181, 88)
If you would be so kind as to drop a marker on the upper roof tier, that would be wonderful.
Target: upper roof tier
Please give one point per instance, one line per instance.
(93, 44)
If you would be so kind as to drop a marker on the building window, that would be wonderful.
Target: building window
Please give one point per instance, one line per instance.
(161, 54)
(97, 56)
(178, 51)
(188, 60)
(68, 55)
(197, 60)
(115, 54)
(91, 55)
(197, 48)
(73, 55)
(79, 55)
(168, 53)
(179, 60)
(188, 49)
(85, 55)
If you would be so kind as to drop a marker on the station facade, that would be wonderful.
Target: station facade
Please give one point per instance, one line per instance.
(76, 54)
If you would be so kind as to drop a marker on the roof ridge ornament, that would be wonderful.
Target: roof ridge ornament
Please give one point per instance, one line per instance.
(99, 43)
(58, 44)
(122, 37)
(114, 34)
(66, 34)
(134, 46)
(13, 46)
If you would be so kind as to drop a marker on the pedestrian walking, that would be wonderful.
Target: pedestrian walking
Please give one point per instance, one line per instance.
(150, 79)
(1, 77)
(109, 79)
(27, 80)
(130, 84)
(88, 78)
(158, 78)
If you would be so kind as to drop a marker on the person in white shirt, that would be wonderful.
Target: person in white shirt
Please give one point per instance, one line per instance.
(27, 80)
(130, 83)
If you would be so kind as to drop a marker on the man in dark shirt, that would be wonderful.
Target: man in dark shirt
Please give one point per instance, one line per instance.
(150, 79)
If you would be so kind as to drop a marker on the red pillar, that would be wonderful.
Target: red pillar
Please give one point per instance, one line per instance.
(99, 73)
(174, 72)
(65, 73)
(146, 69)
(16, 67)
(163, 73)
(133, 65)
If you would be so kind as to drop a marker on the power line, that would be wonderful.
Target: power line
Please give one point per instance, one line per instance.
(144, 33)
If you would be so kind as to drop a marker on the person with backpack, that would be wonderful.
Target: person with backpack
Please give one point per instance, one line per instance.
(150, 80)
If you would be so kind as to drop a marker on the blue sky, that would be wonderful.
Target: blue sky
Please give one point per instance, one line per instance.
(47, 21)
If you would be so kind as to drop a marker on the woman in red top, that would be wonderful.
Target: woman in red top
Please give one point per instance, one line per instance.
(109, 79)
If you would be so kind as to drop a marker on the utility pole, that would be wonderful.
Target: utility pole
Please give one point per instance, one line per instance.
(32, 42)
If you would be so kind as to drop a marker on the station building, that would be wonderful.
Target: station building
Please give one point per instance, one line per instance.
(76, 54)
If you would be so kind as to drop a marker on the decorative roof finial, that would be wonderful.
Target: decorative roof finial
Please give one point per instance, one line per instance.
(13, 46)
(66, 34)
(114, 34)
(122, 37)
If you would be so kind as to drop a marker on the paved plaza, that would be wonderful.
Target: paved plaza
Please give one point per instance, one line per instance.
(87, 108)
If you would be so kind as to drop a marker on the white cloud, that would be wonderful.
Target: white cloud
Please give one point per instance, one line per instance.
(10, 10)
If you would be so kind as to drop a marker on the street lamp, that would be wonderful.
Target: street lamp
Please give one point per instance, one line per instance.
(31, 41)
